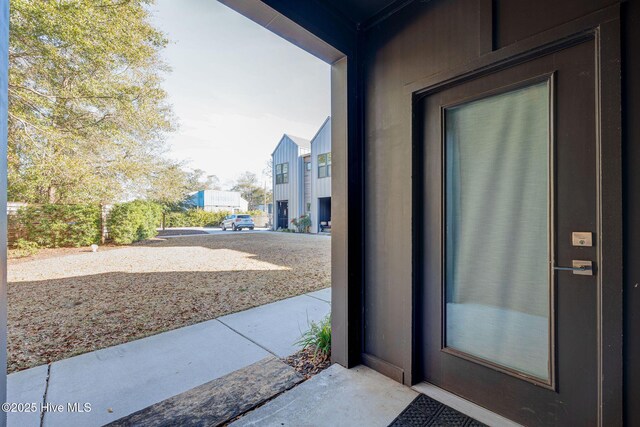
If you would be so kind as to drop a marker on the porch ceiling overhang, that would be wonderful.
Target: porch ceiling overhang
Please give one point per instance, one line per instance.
(364, 13)
(325, 28)
(294, 31)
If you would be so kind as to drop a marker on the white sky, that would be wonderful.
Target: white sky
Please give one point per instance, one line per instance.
(236, 87)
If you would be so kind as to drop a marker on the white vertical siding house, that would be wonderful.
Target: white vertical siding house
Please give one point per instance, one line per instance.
(302, 179)
(321, 176)
(288, 179)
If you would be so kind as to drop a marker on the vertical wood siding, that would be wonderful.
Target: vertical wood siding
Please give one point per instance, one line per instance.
(320, 187)
(307, 183)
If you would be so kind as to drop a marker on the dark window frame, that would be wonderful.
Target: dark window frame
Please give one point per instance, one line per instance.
(324, 165)
(282, 173)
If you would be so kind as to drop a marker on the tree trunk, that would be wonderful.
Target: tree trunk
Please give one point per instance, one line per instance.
(51, 194)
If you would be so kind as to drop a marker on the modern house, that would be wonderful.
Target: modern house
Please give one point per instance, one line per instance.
(302, 179)
(485, 197)
(219, 201)
(289, 159)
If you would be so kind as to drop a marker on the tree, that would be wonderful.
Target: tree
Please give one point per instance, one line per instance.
(268, 169)
(87, 113)
(170, 184)
(211, 182)
(267, 174)
(247, 184)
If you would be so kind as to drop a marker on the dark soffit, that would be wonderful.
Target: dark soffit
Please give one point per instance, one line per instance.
(365, 13)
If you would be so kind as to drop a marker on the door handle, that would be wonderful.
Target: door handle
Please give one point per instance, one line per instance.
(579, 267)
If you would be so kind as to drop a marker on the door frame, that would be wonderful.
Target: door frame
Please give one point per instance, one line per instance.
(604, 28)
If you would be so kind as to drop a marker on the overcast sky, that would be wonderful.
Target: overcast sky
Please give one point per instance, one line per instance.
(236, 87)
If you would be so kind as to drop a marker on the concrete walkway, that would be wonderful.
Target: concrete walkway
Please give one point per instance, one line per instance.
(120, 380)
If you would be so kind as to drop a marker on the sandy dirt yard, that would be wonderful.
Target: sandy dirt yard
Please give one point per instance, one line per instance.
(60, 306)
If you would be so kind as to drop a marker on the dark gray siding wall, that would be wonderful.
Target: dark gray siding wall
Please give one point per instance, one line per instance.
(631, 180)
(422, 40)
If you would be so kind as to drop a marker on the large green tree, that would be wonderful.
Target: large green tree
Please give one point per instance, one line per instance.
(171, 184)
(248, 185)
(87, 112)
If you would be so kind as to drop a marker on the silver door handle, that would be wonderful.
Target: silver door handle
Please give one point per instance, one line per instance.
(579, 267)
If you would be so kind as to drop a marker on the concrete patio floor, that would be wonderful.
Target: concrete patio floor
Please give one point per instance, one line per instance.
(335, 397)
(120, 380)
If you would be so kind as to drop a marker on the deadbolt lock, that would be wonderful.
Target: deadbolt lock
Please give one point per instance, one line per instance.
(582, 238)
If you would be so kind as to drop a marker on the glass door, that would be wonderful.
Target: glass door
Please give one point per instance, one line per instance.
(507, 311)
(497, 243)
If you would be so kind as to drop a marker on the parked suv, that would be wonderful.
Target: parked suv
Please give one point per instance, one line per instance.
(237, 222)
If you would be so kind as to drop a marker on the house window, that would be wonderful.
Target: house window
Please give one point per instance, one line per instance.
(307, 166)
(324, 165)
(282, 173)
(308, 207)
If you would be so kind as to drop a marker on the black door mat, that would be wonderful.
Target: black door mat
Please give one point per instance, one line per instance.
(425, 411)
(220, 400)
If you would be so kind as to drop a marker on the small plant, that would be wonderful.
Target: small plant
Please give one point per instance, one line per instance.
(318, 337)
(302, 224)
(25, 248)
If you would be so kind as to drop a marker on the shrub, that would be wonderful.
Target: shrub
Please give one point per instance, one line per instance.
(302, 224)
(176, 219)
(194, 218)
(25, 248)
(202, 218)
(54, 226)
(134, 221)
(318, 337)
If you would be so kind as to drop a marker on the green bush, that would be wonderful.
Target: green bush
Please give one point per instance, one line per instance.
(302, 224)
(134, 221)
(25, 248)
(194, 218)
(318, 337)
(54, 226)
(176, 219)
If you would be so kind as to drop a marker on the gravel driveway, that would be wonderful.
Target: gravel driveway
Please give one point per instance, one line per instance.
(75, 303)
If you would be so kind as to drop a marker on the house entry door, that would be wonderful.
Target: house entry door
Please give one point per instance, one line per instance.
(283, 214)
(507, 284)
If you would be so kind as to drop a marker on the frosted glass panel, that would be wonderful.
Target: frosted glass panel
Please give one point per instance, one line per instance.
(497, 216)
